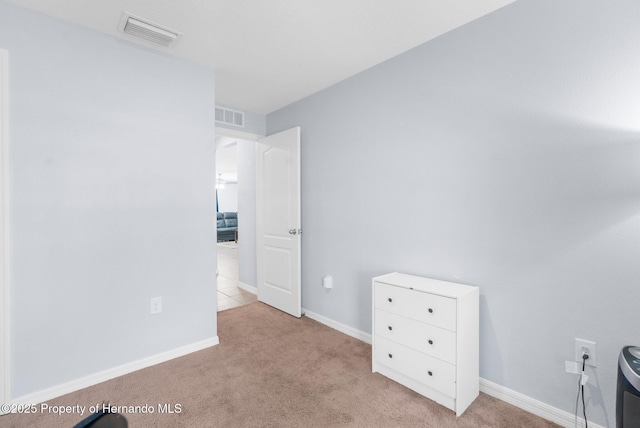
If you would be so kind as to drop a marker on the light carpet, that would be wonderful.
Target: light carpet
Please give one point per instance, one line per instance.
(273, 370)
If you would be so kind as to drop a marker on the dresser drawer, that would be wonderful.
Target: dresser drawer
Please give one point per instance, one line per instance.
(425, 369)
(426, 338)
(430, 308)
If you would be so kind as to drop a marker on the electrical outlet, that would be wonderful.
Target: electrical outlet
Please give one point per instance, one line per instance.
(588, 347)
(156, 305)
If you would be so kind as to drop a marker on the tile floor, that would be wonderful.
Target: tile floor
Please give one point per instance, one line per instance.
(229, 295)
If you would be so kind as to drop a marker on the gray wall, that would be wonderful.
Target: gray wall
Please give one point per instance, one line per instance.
(504, 154)
(228, 198)
(247, 212)
(112, 184)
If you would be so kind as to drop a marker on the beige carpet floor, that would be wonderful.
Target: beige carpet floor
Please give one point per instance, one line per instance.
(273, 370)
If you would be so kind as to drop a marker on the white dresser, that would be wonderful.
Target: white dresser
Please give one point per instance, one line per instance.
(425, 336)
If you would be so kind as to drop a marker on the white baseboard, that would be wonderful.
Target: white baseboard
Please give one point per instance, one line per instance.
(343, 328)
(531, 405)
(248, 288)
(87, 381)
(500, 392)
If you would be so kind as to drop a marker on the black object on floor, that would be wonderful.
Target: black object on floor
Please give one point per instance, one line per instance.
(103, 420)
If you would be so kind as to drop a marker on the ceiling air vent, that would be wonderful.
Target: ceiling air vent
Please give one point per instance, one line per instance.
(147, 30)
(230, 117)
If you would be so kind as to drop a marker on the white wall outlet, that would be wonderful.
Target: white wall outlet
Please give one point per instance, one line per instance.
(156, 305)
(588, 347)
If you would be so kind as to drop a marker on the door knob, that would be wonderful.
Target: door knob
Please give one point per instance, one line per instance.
(293, 232)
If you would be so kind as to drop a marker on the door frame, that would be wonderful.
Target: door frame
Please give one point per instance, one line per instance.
(5, 389)
(232, 133)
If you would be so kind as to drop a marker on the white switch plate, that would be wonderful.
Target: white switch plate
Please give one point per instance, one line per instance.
(156, 305)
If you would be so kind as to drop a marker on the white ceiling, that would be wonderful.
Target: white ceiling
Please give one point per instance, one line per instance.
(269, 53)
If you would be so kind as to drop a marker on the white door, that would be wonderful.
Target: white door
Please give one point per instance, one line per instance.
(4, 229)
(278, 226)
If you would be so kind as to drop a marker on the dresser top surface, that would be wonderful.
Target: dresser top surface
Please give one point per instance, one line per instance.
(428, 285)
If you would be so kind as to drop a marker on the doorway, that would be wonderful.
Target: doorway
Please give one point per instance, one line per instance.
(269, 228)
(235, 183)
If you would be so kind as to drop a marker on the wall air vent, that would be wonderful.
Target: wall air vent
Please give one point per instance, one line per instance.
(144, 29)
(230, 117)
